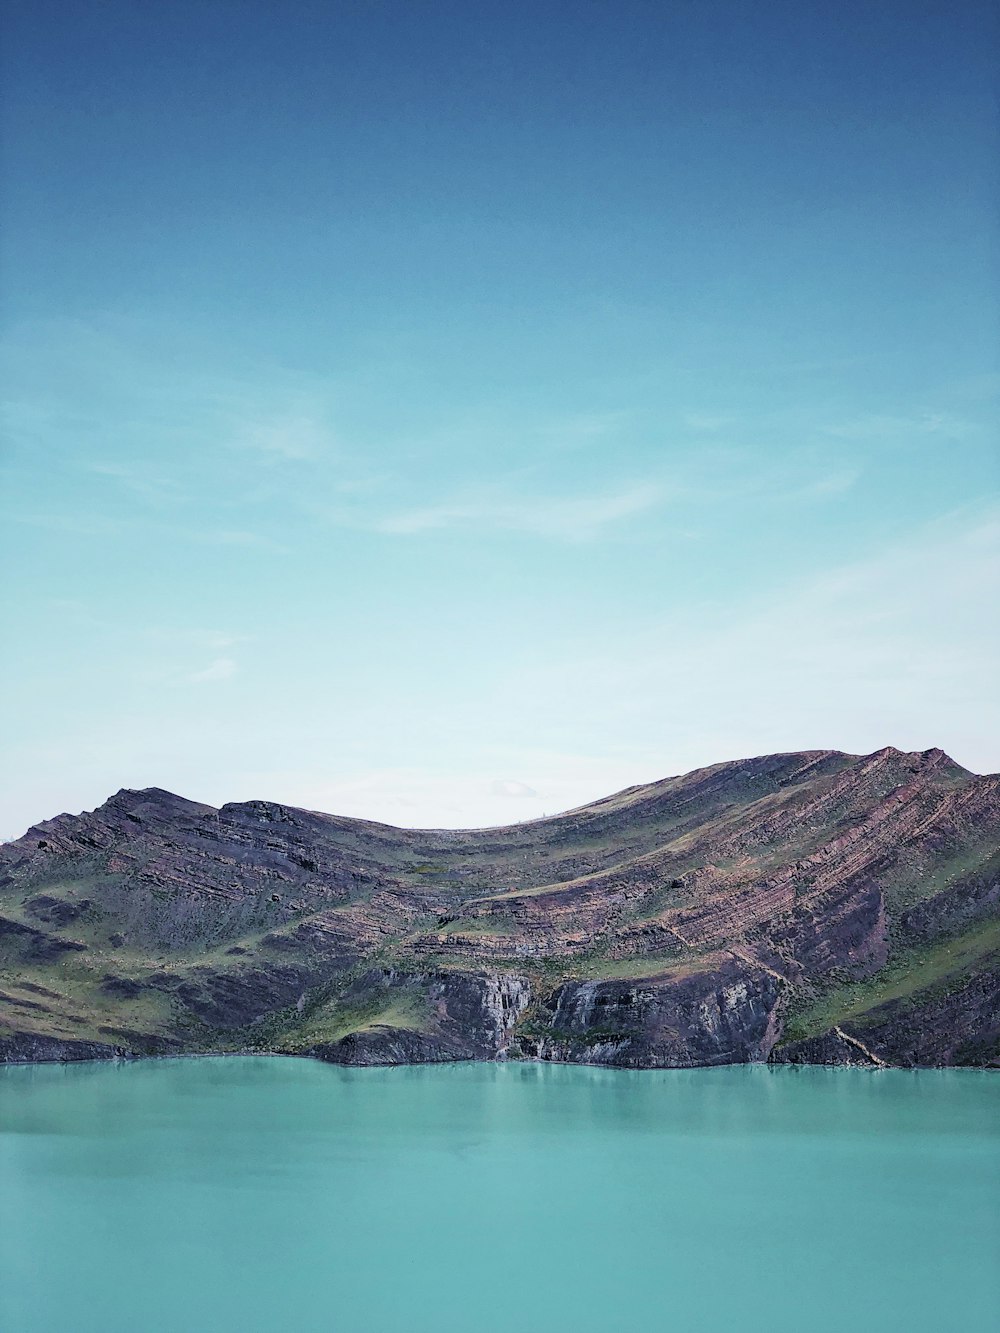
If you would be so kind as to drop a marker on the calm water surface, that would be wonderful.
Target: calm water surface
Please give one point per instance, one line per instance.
(266, 1194)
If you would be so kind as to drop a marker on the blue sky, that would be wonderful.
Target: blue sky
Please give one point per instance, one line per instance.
(448, 413)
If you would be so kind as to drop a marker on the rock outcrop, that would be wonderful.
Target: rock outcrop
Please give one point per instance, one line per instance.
(723, 1013)
(818, 907)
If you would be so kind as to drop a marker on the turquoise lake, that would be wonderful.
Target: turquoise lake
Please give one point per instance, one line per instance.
(280, 1194)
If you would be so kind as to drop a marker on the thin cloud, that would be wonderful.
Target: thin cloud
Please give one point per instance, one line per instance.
(507, 787)
(882, 426)
(292, 438)
(140, 481)
(200, 640)
(568, 518)
(96, 525)
(223, 668)
(706, 421)
(894, 648)
(99, 526)
(836, 483)
(239, 537)
(581, 430)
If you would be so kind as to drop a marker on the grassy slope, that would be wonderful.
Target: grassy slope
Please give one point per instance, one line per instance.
(78, 1006)
(910, 974)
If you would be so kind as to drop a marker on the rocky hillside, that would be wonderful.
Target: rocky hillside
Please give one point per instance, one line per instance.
(816, 907)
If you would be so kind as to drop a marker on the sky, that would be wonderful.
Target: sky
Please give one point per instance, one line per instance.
(449, 413)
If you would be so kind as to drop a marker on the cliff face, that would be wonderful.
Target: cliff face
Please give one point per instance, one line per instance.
(817, 907)
(723, 1013)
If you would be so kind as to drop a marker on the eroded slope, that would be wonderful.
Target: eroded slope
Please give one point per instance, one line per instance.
(815, 906)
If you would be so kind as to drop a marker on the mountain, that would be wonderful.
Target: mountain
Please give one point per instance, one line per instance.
(815, 907)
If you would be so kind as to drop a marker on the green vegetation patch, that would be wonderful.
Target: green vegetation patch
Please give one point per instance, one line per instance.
(335, 1020)
(648, 965)
(917, 876)
(70, 1000)
(908, 974)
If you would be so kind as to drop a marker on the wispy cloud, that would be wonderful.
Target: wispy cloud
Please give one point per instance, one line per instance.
(69, 521)
(567, 518)
(178, 655)
(140, 480)
(223, 668)
(823, 487)
(119, 392)
(107, 527)
(511, 789)
(423, 798)
(580, 430)
(238, 537)
(895, 648)
(708, 421)
(291, 437)
(886, 427)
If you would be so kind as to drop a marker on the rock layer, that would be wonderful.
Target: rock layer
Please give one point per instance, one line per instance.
(818, 907)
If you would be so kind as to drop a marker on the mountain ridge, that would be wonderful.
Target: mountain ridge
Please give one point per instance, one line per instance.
(802, 906)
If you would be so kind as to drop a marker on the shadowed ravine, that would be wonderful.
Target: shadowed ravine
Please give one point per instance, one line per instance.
(810, 908)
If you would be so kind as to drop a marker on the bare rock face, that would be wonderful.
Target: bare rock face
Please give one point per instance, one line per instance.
(843, 928)
(25, 1048)
(386, 1045)
(817, 907)
(451, 1016)
(724, 1013)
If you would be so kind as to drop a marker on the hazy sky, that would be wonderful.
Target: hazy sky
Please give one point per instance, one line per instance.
(447, 413)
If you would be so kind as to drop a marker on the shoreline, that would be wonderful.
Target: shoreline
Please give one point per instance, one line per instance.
(129, 1057)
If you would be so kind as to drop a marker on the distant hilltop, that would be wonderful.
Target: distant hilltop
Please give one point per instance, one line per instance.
(816, 907)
